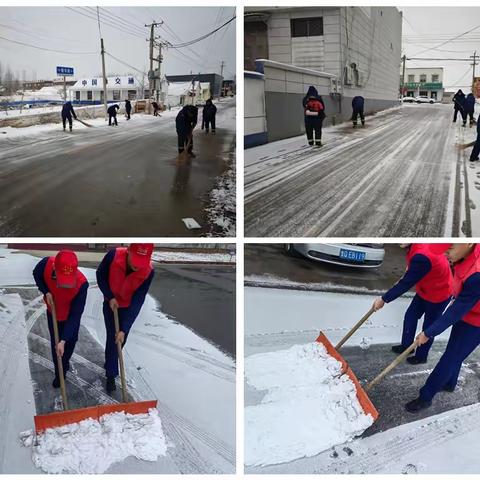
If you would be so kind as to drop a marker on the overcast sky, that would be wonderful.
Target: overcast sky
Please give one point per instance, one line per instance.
(426, 27)
(60, 28)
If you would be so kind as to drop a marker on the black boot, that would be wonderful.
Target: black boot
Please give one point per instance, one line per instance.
(398, 349)
(448, 388)
(413, 360)
(417, 405)
(111, 386)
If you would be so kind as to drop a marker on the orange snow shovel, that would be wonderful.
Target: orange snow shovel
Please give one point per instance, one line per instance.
(58, 419)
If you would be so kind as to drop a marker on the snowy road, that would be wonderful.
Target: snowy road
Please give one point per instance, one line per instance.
(400, 176)
(110, 181)
(398, 442)
(192, 379)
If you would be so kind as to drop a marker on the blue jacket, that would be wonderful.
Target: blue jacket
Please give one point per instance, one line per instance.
(126, 315)
(67, 110)
(186, 120)
(419, 267)
(358, 102)
(459, 99)
(312, 92)
(72, 324)
(470, 103)
(468, 297)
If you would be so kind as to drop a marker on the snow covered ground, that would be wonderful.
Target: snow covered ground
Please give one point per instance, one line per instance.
(277, 320)
(165, 256)
(193, 381)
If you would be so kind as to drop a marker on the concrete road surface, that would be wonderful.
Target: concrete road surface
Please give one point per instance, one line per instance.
(400, 176)
(111, 181)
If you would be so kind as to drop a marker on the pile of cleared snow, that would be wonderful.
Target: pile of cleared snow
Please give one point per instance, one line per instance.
(309, 405)
(92, 446)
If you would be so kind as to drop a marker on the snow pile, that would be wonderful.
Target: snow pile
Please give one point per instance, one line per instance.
(309, 405)
(192, 257)
(92, 446)
(222, 207)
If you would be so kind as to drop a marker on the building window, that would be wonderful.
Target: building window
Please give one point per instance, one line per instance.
(77, 95)
(411, 79)
(116, 95)
(423, 78)
(132, 94)
(306, 27)
(89, 95)
(435, 78)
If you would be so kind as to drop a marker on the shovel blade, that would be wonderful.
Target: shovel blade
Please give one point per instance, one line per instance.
(367, 406)
(59, 419)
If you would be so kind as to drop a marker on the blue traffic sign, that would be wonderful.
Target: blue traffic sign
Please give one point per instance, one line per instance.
(65, 71)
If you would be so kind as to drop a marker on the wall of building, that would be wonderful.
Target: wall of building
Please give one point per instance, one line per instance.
(255, 121)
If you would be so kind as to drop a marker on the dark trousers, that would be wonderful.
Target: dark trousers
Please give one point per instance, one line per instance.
(476, 148)
(464, 339)
(111, 353)
(358, 112)
(418, 308)
(110, 116)
(462, 113)
(69, 346)
(208, 123)
(64, 121)
(183, 141)
(469, 114)
(128, 114)
(313, 124)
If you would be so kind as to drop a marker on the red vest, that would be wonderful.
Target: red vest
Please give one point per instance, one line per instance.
(314, 105)
(437, 285)
(463, 270)
(63, 297)
(123, 286)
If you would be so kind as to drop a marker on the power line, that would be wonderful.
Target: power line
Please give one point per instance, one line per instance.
(47, 49)
(125, 63)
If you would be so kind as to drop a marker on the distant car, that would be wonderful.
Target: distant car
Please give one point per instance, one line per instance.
(408, 99)
(424, 99)
(347, 254)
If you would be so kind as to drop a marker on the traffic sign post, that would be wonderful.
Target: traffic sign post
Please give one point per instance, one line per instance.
(65, 72)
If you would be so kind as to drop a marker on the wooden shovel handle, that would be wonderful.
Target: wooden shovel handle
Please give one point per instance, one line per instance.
(355, 328)
(56, 337)
(120, 356)
(390, 367)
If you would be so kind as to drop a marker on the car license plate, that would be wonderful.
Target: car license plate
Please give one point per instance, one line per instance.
(352, 255)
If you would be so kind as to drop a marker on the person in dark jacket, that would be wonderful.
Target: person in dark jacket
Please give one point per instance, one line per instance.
(155, 109)
(112, 114)
(459, 106)
(476, 146)
(124, 277)
(67, 113)
(185, 123)
(357, 110)
(128, 108)
(208, 116)
(470, 107)
(64, 288)
(314, 110)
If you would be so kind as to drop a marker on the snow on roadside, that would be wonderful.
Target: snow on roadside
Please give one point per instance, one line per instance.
(309, 406)
(92, 446)
(192, 257)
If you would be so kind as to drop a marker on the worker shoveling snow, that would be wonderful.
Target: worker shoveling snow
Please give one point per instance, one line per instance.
(92, 446)
(309, 405)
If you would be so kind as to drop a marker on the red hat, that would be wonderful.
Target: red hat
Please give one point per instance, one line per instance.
(140, 254)
(66, 266)
(440, 248)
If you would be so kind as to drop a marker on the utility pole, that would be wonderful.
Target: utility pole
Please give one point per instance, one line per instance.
(404, 58)
(474, 57)
(222, 64)
(160, 60)
(151, 75)
(104, 78)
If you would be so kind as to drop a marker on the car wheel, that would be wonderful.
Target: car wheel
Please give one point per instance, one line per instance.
(289, 250)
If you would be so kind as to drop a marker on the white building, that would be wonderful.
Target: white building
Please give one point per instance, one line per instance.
(423, 81)
(119, 88)
(188, 93)
(344, 51)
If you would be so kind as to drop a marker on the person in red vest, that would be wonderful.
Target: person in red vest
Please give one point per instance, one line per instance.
(431, 275)
(124, 277)
(314, 111)
(63, 284)
(463, 315)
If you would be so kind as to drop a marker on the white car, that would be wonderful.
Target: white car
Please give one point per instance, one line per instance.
(424, 99)
(347, 254)
(408, 99)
